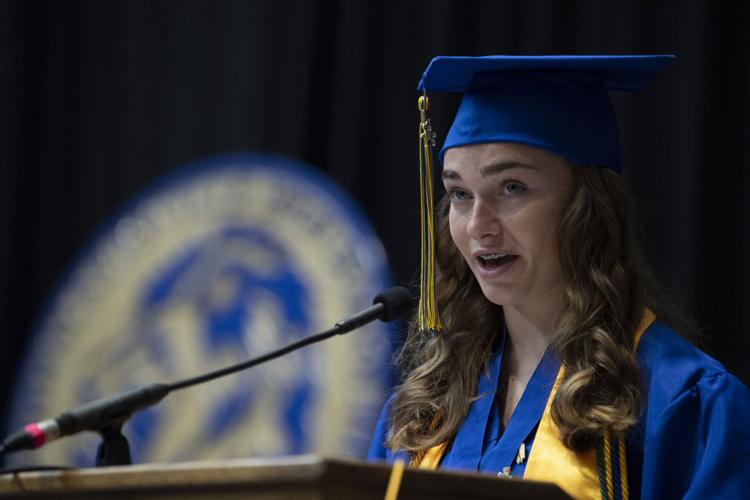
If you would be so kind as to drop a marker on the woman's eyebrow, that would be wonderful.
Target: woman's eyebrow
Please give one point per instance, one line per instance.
(496, 168)
(486, 171)
(450, 174)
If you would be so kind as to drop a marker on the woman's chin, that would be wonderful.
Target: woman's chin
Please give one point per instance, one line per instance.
(498, 295)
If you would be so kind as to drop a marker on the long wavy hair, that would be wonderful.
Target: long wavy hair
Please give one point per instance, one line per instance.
(607, 285)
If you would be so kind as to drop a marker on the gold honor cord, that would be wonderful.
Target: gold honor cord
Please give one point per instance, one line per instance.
(612, 489)
(394, 480)
(428, 317)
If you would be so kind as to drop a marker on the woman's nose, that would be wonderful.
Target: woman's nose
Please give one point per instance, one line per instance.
(483, 222)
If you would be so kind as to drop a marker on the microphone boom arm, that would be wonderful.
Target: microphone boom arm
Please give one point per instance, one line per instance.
(107, 415)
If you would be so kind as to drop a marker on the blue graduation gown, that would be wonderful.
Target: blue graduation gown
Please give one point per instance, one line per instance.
(691, 441)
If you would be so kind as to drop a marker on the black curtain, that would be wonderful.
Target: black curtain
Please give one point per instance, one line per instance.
(99, 98)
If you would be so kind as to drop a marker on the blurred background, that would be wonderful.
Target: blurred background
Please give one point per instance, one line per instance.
(99, 99)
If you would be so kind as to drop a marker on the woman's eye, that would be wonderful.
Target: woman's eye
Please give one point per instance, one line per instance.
(512, 187)
(458, 195)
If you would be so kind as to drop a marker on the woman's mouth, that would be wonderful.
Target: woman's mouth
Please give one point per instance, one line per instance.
(494, 262)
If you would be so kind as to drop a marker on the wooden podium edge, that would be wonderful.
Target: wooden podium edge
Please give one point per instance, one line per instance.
(255, 474)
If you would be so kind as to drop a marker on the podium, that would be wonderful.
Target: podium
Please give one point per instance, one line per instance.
(303, 477)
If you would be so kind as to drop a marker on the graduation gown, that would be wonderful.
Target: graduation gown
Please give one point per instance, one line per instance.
(692, 439)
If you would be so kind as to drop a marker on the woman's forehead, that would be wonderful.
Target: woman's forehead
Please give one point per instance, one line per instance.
(496, 157)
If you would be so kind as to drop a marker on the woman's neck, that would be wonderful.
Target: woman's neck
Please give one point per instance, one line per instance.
(530, 331)
(529, 334)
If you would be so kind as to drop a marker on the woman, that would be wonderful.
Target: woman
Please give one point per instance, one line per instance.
(542, 351)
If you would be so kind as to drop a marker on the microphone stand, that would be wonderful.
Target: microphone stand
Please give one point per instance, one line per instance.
(114, 448)
(108, 415)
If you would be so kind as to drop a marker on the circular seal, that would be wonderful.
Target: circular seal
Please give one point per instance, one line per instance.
(224, 260)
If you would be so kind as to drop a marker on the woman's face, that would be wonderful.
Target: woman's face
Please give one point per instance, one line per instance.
(505, 202)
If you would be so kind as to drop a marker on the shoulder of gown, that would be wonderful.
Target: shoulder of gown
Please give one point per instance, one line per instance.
(378, 451)
(695, 437)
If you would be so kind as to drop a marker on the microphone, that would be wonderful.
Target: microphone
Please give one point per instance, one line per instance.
(96, 415)
(113, 411)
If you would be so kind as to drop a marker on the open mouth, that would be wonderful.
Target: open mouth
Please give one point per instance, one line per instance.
(495, 260)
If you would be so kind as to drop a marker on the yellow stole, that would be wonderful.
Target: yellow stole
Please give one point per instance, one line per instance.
(575, 473)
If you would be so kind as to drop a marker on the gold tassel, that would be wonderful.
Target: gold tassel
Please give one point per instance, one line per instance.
(428, 317)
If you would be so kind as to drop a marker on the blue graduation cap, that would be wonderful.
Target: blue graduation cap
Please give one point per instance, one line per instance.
(558, 103)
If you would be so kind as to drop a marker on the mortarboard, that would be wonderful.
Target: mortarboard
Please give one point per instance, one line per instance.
(557, 103)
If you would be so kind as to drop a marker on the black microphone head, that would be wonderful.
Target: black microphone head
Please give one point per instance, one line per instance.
(397, 301)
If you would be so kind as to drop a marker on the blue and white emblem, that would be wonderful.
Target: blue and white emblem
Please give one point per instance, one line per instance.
(225, 260)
